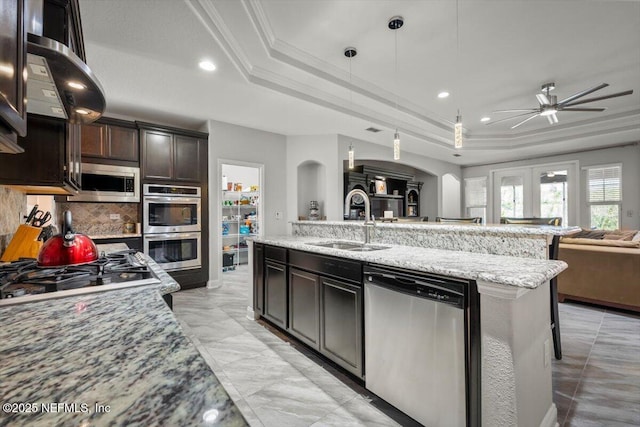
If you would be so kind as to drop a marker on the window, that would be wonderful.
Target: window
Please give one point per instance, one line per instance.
(604, 196)
(554, 195)
(475, 196)
(512, 197)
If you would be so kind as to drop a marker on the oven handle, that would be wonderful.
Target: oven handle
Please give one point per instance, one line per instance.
(171, 236)
(172, 199)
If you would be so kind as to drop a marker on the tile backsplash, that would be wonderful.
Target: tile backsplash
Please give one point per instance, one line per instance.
(95, 218)
(13, 204)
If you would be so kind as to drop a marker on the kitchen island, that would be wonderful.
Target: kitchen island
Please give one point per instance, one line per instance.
(115, 357)
(513, 304)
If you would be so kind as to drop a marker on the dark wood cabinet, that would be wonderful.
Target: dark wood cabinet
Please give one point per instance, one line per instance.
(102, 141)
(187, 155)
(304, 307)
(51, 161)
(412, 198)
(275, 293)
(321, 303)
(172, 156)
(157, 157)
(341, 313)
(13, 85)
(258, 278)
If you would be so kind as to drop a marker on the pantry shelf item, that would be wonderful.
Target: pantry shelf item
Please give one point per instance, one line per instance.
(239, 221)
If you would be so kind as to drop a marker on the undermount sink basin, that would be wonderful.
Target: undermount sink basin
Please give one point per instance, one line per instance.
(350, 246)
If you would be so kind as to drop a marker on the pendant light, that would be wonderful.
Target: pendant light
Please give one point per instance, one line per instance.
(350, 52)
(457, 132)
(395, 23)
(457, 128)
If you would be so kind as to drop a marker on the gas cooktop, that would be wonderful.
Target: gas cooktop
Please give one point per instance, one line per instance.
(124, 268)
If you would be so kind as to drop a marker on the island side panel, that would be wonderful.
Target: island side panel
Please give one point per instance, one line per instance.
(516, 356)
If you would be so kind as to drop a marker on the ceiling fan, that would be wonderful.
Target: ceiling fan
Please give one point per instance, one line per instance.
(549, 106)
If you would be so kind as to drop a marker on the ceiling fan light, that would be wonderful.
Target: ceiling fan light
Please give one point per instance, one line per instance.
(548, 112)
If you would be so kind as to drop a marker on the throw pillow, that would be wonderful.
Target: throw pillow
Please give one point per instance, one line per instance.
(636, 238)
(626, 235)
(589, 234)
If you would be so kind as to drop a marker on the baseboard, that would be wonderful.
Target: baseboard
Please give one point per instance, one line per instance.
(213, 284)
(251, 314)
(551, 417)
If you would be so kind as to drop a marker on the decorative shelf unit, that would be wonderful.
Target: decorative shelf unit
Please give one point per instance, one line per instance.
(413, 198)
(239, 221)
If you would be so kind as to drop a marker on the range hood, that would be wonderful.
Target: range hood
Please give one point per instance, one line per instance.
(59, 83)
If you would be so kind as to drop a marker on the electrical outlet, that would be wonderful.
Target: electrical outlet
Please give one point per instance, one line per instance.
(547, 353)
(114, 216)
(630, 213)
(278, 215)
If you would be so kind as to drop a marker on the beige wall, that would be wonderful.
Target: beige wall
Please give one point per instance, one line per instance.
(13, 204)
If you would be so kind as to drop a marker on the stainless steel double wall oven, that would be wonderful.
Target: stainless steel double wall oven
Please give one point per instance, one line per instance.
(172, 225)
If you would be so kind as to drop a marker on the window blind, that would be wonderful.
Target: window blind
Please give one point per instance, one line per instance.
(604, 184)
(475, 191)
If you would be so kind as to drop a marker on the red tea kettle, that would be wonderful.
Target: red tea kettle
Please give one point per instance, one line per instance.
(68, 248)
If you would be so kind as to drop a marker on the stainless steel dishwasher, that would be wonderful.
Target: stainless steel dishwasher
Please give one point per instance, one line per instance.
(420, 352)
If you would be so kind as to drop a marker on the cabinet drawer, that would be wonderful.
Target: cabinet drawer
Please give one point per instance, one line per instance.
(276, 254)
(329, 266)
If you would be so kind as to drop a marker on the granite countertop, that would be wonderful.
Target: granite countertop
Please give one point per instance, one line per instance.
(504, 270)
(114, 358)
(510, 229)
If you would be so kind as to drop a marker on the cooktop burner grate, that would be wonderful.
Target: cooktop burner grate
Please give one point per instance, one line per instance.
(24, 277)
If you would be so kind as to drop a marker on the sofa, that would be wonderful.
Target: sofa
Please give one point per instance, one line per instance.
(604, 268)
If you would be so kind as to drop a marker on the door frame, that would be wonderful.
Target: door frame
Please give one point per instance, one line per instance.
(531, 192)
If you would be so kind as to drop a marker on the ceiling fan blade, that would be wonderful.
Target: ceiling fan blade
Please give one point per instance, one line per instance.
(581, 94)
(517, 110)
(542, 99)
(583, 109)
(512, 117)
(598, 98)
(553, 119)
(524, 121)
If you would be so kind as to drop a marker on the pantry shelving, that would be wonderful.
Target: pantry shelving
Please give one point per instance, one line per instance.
(239, 221)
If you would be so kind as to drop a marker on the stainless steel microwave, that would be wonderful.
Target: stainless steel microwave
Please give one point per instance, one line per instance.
(108, 183)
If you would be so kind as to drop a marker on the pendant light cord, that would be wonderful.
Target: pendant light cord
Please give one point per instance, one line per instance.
(396, 73)
(457, 58)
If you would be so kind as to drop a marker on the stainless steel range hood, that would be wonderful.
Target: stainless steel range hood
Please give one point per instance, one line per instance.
(59, 84)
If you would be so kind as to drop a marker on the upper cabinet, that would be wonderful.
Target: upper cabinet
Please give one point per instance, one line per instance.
(110, 140)
(50, 163)
(13, 50)
(173, 155)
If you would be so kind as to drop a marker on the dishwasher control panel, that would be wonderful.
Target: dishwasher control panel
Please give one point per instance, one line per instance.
(450, 291)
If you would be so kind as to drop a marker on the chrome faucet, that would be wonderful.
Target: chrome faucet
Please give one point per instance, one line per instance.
(369, 220)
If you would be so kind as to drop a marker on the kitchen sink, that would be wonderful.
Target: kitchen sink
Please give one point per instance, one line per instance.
(350, 246)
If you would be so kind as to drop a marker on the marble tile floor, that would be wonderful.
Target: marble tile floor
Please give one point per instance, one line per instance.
(276, 382)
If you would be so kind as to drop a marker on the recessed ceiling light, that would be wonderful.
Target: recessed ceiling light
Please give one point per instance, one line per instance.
(485, 119)
(76, 85)
(81, 111)
(443, 94)
(207, 65)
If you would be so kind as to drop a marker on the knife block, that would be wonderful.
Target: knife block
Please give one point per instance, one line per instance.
(24, 244)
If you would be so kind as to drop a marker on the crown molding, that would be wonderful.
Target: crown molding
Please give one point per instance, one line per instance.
(418, 125)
